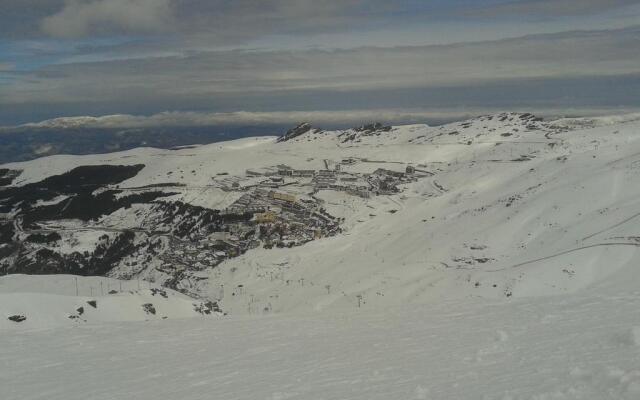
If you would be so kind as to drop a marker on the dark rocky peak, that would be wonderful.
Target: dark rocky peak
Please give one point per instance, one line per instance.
(529, 117)
(356, 134)
(301, 129)
(527, 120)
(515, 117)
(374, 127)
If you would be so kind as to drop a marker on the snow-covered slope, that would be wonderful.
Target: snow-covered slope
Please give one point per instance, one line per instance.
(584, 346)
(499, 206)
(38, 302)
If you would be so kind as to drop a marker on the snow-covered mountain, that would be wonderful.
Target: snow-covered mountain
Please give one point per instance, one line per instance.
(77, 122)
(494, 258)
(500, 206)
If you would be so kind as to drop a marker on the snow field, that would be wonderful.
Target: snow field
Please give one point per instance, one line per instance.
(568, 347)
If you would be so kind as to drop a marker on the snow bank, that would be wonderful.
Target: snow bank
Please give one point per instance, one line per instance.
(50, 301)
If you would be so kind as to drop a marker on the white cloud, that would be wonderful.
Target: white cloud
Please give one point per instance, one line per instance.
(228, 74)
(223, 21)
(550, 7)
(594, 68)
(80, 18)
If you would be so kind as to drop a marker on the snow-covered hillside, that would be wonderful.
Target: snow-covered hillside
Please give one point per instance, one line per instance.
(500, 206)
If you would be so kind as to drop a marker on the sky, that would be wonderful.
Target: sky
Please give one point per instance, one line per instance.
(253, 61)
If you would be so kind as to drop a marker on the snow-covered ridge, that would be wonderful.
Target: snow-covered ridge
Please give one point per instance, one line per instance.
(597, 121)
(78, 122)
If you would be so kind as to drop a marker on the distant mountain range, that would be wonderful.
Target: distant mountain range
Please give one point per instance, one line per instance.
(77, 136)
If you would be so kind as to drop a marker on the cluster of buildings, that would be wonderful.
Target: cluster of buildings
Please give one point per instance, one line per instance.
(284, 220)
(267, 215)
(260, 217)
(381, 181)
(333, 177)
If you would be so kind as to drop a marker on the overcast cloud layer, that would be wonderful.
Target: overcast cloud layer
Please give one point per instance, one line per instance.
(248, 58)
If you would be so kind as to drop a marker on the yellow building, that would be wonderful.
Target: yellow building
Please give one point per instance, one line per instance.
(266, 217)
(283, 196)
